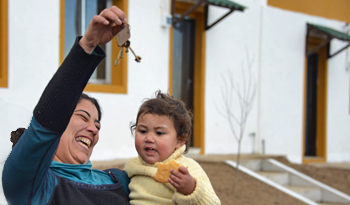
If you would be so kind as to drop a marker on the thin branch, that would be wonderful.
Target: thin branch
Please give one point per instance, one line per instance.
(219, 111)
(245, 98)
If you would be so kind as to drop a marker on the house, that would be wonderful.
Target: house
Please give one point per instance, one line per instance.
(289, 50)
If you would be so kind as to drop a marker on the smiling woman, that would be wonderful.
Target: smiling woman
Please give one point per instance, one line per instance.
(81, 135)
(50, 163)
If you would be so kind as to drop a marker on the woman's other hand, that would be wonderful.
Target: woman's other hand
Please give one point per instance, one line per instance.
(103, 28)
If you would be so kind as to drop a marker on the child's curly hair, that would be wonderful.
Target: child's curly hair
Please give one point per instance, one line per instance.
(165, 105)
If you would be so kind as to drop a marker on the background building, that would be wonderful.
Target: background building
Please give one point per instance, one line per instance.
(301, 103)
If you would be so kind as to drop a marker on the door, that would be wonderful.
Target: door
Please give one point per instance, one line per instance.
(187, 67)
(311, 105)
(316, 104)
(183, 62)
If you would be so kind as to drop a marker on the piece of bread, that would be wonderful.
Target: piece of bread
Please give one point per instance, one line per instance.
(163, 171)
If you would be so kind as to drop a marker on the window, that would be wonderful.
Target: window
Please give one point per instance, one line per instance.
(3, 43)
(75, 18)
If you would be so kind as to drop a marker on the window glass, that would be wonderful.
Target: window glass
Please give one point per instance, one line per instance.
(78, 14)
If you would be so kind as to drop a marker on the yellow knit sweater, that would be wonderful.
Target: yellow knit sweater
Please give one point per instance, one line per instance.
(144, 190)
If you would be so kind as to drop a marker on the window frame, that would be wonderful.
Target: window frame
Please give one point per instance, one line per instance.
(118, 73)
(4, 43)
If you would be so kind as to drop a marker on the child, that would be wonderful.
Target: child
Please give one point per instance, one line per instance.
(162, 133)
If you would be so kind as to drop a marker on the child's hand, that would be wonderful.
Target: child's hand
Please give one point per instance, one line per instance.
(182, 181)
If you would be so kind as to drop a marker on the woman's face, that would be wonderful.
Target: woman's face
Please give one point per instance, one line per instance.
(80, 136)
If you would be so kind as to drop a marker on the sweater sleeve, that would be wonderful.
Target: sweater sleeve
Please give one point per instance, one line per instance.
(26, 169)
(62, 93)
(203, 194)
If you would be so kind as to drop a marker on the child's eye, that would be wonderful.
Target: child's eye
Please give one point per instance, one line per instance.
(160, 133)
(142, 131)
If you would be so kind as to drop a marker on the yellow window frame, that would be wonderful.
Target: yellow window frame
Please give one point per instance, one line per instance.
(4, 43)
(119, 73)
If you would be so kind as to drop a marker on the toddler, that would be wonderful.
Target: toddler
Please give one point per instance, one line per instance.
(162, 133)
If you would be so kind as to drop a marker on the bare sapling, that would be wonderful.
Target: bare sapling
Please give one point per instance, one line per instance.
(243, 91)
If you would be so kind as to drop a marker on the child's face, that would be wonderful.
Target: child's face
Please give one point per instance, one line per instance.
(155, 138)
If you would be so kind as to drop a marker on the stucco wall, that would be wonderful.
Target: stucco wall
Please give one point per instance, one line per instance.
(33, 58)
(276, 38)
(230, 45)
(283, 87)
(338, 113)
(282, 82)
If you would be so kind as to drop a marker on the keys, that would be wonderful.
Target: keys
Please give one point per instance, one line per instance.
(123, 42)
(127, 46)
(120, 55)
(123, 35)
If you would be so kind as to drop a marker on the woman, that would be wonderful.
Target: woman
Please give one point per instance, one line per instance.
(50, 163)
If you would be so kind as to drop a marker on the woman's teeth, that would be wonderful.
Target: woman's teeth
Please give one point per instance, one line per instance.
(83, 141)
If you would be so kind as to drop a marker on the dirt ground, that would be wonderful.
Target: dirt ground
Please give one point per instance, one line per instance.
(248, 190)
(252, 191)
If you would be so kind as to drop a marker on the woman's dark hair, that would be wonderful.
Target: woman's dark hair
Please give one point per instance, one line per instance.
(165, 105)
(94, 101)
(15, 135)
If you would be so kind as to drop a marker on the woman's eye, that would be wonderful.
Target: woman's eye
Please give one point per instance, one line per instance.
(98, 127)
(83, 117)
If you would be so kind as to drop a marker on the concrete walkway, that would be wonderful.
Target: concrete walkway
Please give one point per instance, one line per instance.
(344, 165)
(218, 158)
(202, 158)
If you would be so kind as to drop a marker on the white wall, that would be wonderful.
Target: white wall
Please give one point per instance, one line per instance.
(276, 38)
(282, 82)
(338, 113)
(33, 58)
(230, 45)
(282, 87)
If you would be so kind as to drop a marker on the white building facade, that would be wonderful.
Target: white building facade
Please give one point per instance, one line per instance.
(267, 38)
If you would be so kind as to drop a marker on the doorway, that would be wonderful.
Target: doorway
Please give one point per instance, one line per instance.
(316, 104)
(187, 62)
(311, 106)
(183, 62)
